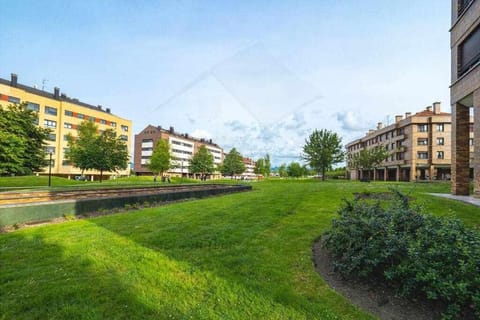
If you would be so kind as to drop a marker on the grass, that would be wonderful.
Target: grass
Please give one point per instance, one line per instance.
(240, 256)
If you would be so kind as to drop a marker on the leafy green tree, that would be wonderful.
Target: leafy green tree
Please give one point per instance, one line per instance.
(92, 151)
(322, 150)
(233, 164)
(282, 171)
(295, 170)
(368, 159)
(22, 142)
(160, 159)
(202, 161)
(267, 166)
(259, 166)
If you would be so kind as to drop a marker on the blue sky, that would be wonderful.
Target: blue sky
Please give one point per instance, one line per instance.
(255, 75)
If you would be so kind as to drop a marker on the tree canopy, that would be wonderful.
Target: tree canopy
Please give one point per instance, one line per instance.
(322, 150)
(263, 166)
(160, 159)
(202, 161)
(233, 163)
(92, 151)
(368, 159)
(22, 142)
(295, 170)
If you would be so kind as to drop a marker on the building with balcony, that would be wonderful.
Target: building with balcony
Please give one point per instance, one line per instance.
(419, 147)
(62, 115)
(249, 173)
(465, 94)
(182, 148)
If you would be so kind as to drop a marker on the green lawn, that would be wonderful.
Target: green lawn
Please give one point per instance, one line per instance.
(240, 256)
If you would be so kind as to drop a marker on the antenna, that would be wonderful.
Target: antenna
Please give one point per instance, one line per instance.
(388, 119)
(43, 84)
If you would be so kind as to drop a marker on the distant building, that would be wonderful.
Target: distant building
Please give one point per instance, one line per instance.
(62, 115)
(465, 93)
(418, 146)
(249, 173)
(182, 147)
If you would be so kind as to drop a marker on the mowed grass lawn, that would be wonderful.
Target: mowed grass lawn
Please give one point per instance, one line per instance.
(240, 256)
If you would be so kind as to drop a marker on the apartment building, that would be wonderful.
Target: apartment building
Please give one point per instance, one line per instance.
(249, 173)
(419, 147)
(62, 115)
(465, 93)
(182, 148)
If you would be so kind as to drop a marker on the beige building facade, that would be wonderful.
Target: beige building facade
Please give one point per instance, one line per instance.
(418, 145)
(62, 115)
(182, 148)
(465, 94)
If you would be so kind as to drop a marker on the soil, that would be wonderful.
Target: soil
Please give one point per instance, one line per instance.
(376, 299)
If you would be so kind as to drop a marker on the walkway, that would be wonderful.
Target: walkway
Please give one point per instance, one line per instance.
(467, 199)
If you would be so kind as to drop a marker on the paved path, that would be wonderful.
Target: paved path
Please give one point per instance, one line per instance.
(467, 199)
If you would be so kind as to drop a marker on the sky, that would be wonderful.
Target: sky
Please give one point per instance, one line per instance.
(259, 76)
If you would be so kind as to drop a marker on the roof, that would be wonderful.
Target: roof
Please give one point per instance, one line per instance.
(429, 113)
(49, 95)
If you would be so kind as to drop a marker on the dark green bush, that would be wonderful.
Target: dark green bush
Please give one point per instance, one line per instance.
(420, 255)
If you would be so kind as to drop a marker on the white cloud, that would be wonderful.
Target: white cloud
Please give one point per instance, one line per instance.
(351, 122)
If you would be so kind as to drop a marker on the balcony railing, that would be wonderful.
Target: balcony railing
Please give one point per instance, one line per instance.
(464, 67)
(462, 5)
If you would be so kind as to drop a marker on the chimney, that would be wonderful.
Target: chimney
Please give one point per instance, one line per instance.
(379, 126)
(171, 130)
(371, 131)
(398, 118)
(108, 110)
(99, 107)
(56, 92)
(436, 108)
(429, 108)
(186, 135)
(407, 114)
(210, 141)
(63, 95)
(14, 80)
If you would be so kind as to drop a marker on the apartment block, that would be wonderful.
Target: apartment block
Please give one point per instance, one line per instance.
(182, 148)
(62, 115)
(465, 93)
(419, 147)
(249, 173)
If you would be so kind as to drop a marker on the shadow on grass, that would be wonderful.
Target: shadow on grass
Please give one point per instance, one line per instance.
(40, 280)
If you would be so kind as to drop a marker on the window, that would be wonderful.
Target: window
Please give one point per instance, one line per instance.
(470, 141)
(123, 137)
(422, 155)
(69, 113)
(422, 141)
(462, 5)
(423, 127)
(35, 121)
(440, 155)
(13, 99)
(469, 52)
(50, 150)
(113, 124)
(33, 106)
(440, 127)
(440, 141)
(124, 128)
(65, 137)
(91, 119)
(102, 121)
(66, 162)
(68, 125)
(51, 110)
(400, 156)
(49, 123)
(80, 116)
(52, 137)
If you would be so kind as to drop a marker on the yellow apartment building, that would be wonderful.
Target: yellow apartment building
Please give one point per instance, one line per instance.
(62, 115)
(419, 147)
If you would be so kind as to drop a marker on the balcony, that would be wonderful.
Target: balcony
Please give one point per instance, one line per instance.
(462, 5)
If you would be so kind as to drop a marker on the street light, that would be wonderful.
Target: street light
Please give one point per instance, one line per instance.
(50, 170)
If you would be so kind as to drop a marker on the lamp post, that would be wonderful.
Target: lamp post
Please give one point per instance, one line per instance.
(50, 170)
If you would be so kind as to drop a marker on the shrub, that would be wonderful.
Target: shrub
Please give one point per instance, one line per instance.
(420, 255)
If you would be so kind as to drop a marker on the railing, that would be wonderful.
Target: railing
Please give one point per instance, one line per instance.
(462, 5)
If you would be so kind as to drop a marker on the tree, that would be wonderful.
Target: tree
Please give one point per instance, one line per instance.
(295, 170)
(22, 142)
(259, 166)
(282, 171)
(160, 159)
(233, 163)
(368, 159)
(267, 166)
(93, 151)
(202, 161)
(322, 150)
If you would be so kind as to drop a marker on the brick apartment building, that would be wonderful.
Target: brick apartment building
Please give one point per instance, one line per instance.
(465, 93)
(419, 147)
(182, 148)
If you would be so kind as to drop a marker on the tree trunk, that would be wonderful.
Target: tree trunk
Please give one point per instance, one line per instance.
(323, 174)
(101, 176)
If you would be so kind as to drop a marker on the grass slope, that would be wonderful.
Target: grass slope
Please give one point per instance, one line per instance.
(241, 256)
